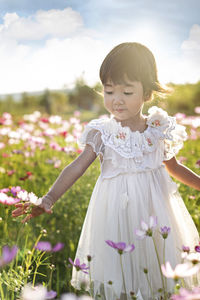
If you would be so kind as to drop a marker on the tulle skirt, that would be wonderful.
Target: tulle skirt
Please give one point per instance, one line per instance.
(115, 210)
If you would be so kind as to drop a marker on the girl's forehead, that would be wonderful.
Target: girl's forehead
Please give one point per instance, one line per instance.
(125, 84)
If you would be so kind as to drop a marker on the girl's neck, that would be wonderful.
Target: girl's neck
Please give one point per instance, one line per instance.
(136, 123)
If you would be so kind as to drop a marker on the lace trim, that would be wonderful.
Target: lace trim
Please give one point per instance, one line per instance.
(134, 144)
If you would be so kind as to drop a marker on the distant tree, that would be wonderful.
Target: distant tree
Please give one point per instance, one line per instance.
(85, 97)
(46, 101)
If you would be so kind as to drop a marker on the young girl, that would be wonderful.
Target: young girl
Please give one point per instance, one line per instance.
(136, 154)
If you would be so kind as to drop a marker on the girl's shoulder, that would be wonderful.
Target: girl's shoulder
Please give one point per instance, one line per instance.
(164, 125)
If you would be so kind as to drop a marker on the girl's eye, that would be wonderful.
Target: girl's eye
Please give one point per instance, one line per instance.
(110, 93)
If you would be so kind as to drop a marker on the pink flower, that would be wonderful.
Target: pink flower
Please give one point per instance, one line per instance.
(184, 294)
(78, 266)
(165, 231)
(149, 142)
(121, 247)
(197, 109)
(46, 246)
(8, 254)
(186, 249)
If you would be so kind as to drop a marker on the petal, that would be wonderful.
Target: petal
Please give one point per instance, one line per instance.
(184, 270)
(129, 248)
(71, 261)
(111, 244)
(77, 262)
(153, 221)
(58, 247)
(121, 245)
(140, 234)
(144, 225)
(44, 246)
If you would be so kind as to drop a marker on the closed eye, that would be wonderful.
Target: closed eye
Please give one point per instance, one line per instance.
(110, 93)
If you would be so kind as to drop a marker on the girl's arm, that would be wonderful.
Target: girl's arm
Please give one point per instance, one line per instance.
(69, 175)
(182, 173)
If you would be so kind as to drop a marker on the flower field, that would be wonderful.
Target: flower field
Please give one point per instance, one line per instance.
(33, 151)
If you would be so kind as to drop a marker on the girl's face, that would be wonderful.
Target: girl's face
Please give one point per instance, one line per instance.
(124, 101)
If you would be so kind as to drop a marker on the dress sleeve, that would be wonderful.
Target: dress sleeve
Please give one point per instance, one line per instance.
(91, 136)
(174, 137)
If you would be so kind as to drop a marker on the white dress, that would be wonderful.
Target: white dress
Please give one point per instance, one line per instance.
(133, 185)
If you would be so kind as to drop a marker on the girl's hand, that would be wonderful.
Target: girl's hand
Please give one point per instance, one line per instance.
(22, 208)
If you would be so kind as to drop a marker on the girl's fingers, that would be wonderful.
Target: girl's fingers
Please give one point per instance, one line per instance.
(22, 204)
(27, 218)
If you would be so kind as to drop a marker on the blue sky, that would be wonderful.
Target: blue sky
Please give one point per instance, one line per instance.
(46, 35)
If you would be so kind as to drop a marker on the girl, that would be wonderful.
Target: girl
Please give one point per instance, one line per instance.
(136, 154)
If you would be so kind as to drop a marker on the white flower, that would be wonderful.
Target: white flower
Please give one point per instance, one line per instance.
(34, 199)
(23, 195)
(147, 230)
(34, 293)
(193, 257)
(181, 270)
(157, 117)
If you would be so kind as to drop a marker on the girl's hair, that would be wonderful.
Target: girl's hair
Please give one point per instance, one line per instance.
(138, 63)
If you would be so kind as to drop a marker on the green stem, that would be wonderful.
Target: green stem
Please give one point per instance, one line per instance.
(1, 291)
(123, 276)
(150, 286)
(30, 257)
(37, 266)
(57, 281)
(91, 289)
(159, 267)
(164, 264)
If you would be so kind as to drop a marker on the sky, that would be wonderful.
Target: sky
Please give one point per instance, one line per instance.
(52, 43)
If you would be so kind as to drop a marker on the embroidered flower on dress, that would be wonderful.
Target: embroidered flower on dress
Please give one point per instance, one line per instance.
(122, 136)
(157, 117)
(149, 142)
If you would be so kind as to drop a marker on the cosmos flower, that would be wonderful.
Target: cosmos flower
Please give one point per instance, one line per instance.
(121, 247)
(146, 230)
(184, 294)
(165, 231)
(78, 266)
(8, 254)
(46, 246)
(181, 270)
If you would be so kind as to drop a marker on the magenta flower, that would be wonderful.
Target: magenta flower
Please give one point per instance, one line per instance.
(121, 247)
(186, 249)
(8, 255)
(146, 230)
(165, 231)
(197, 248)
(78, 266)
(187, 295)
(46, 246)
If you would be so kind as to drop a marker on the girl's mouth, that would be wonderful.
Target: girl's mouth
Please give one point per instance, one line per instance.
(120, 110)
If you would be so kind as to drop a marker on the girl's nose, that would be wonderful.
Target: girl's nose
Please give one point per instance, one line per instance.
(118, 99)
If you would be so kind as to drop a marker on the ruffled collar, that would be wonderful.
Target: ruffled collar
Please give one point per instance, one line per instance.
(133, 144)
(118, 124)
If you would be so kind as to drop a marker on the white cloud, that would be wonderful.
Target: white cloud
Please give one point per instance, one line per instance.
(69, 50)
(51, 23)
(51, 48)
